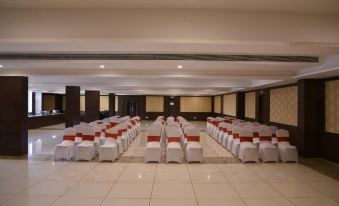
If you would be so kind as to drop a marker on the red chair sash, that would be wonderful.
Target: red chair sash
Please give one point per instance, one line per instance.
(193, 138)
(283, 139)
(224, 130)
(111, 135)
(185, 135)
(229, 132)
(265, 138)
(153, 138)
(235, 136)
(78, 134)
(97, 134)
(113, 124)
(221, 129)
(69, 137)
(173, 139)
(246, 139)
(274, 135)
(88, 137)
(103, 130)
(255, 134)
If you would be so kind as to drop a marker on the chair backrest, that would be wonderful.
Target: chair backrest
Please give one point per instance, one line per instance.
(79, 130)
(263, 127)
(193, 134)
(273, 130)
(246, 136)
(84, 124)
(282, 135)
(97, 129)
(88, 134)
(154, 134)
(255, 131)
(235, 132)
(173, 135)
(69, 134)
(111, 133)
(265, 135)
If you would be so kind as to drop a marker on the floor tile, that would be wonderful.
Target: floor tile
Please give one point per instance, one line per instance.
(125, 202)
(313, 202)
(101, 176)
(128, 190)
(208, 177)
(221, 202)
(297, 189)
(218, 191)
(23, 200)
(77, 201)
(4, 198)
(89, 189)
(172, 177)
(129, 176)
(49, 187)
(242, 176)
(202, 168)
(173, 202)
(172, 168)
(255, 190)
(177, 191)
(268, 202)
(330, 189)
(276, 176)
(14, 186)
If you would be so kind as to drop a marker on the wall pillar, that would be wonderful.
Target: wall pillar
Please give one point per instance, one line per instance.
(92, 105)
(13, 115)
(72, 106)
(111, 104)
(240, 107)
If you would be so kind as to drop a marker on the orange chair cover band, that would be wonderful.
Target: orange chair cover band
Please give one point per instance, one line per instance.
(235, 136)
(78, 134)
(246, 139)
(193, 138)
(110, 135)
(97, 134)
(153, 138)
(282, 139)
(69, 137)
(265, 138)
(88, 137)
(173, 139)
(224, 130)
(229, 132)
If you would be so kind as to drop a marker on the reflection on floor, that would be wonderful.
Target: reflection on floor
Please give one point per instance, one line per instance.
(38, 183)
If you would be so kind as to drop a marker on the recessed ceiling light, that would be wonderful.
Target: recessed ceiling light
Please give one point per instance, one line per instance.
(1, 66)
(179, 66)
(102, 66)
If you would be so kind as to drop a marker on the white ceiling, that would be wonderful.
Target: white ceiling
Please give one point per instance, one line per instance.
(318, 6)
(312, 30)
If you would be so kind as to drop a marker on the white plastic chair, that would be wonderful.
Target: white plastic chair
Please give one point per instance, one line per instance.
(153, 146)
(287, 152)
(109, 150)
(194, 151)
(267, 151)
(65, 150)
(85, 150)
(173, 149)
(248, 152)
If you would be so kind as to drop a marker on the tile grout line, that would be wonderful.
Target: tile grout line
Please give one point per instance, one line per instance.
(195, 195)
(155, 173)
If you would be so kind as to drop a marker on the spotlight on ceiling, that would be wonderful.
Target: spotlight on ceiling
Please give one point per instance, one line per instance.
(180, 66)
(1, 66)
(102, 66)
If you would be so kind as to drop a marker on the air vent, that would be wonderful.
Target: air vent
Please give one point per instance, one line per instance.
(192, 57)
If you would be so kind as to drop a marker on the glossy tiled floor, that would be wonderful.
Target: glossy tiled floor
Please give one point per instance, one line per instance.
(33, 182)
(37, 183)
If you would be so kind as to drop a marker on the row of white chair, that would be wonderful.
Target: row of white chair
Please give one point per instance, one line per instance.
(252, 141)
(109, 137)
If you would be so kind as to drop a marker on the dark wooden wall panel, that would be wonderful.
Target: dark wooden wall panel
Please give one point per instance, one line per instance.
(92, 105)
(111, 104)
(13, 116)
(72, 106)
(43, 121)
(329, 145)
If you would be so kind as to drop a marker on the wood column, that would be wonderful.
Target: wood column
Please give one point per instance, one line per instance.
(311, 116)
(33, 103)
(111, 104)
(92, 105)
(13, 115)
(240, 99)
(72, 106)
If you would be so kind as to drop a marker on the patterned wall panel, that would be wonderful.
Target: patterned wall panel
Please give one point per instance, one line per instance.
(250, 105)
(332, 106)
(217, 104)
(154, 104)
(104, 103)
(284, 105)
(195, 104)
(82, 103)
(116, 108)
(230, 104)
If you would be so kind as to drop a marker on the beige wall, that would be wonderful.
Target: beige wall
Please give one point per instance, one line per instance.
(250, 105)
(195, 104)
(230, 104)
(154, 104)
(104, 103)
(49, 102)
(332, 106)
(284, 105)
(217, 104)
